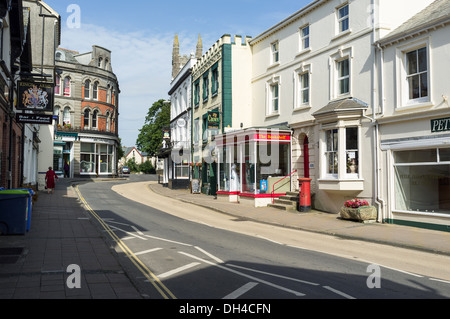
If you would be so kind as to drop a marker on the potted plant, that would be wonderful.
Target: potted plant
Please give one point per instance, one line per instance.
(359, 210)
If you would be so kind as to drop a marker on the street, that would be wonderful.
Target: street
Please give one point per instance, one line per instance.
(174, 250)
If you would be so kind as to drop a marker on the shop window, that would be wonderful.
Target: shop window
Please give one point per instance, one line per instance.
(331, 153)
(422, 181)
(88, 158)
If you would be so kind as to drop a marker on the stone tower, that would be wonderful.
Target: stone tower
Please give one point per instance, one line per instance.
(199, 50)
(176, 63)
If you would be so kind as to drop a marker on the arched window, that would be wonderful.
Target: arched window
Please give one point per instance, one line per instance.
(57, 85)
(94, 119)
(108, 94)
(56, 113)
(86, 118)
(95, 91)
(100, 60)
(66, 88)
(108, 122)
(66, 116)
(87, 89)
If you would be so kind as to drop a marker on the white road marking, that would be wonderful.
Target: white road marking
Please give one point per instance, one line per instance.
(402, 271)
(239, 292)
(147, 251)
(126, 232)
(209, 255)
(175, 271)
(274, 275)
(138, 231)
(170, 241)
(440, 280)
(339, 292)
(244, 275)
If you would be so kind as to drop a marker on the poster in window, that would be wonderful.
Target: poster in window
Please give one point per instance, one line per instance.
(35, 96)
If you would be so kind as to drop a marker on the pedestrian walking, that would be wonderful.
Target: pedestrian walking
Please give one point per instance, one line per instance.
(50, 180)
(66, 169)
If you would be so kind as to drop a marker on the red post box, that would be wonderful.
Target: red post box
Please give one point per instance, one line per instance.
(305, 194)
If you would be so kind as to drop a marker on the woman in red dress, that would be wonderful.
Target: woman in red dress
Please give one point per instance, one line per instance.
(50, 179)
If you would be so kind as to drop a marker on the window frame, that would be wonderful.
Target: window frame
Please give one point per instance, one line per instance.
(67, 90)
(340, 78)
(305, 38)
(340, 19)
(87, 88)
(270, 85)
(275, 52)
(95, 91)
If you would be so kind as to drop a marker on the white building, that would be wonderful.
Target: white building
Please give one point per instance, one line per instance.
(316, 72)
(414, 120)
(177, 169)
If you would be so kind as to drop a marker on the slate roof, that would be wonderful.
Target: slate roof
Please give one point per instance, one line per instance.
(350, 103)
(436, 12)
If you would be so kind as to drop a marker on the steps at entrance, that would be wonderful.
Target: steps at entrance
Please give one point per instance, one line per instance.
(286, 202)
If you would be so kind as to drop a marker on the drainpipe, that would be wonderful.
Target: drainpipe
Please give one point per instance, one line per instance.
(376, 136)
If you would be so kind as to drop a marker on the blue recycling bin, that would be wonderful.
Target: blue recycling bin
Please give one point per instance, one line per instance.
(14, 206)
(30, 205)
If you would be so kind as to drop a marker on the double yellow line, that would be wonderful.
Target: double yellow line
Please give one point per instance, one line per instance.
(159, 286)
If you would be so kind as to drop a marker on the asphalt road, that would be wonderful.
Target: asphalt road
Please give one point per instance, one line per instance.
(169, 256)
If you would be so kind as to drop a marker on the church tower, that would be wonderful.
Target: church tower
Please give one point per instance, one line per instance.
(199, 50)
(176, 63)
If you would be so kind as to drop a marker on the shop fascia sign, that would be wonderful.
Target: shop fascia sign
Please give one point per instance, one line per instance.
(440, 125)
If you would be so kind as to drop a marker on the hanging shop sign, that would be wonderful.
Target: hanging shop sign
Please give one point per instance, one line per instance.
(166, 133)
(440, 125)
(213, 120)
(34, 119)
(35, 96)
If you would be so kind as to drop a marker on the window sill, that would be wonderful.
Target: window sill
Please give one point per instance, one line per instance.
(303, 52)
(342, 34)
(268, 116)
(273, 65)
(302, 108)
(411, 105)
(341, 184)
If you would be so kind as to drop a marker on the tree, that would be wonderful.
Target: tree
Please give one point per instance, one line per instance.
(151, 134)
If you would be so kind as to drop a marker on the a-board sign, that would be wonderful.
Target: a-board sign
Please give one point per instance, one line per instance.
(195, 186)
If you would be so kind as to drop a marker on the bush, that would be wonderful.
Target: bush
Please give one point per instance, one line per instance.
(147, 168)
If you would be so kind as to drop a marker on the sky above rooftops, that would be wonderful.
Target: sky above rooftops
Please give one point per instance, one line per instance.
(140, 35)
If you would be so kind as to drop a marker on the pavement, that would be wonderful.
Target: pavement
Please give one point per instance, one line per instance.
(35, 265)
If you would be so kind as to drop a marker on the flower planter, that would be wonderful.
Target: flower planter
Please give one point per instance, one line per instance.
(361, 214)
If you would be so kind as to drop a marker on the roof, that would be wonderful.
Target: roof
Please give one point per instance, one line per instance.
(347, 104)
(436, 13)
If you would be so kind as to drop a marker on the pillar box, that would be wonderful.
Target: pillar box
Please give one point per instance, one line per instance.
(305, 194)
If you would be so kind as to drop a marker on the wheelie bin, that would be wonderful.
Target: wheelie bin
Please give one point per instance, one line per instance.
(14, 205)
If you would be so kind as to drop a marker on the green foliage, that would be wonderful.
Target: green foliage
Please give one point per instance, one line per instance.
(132, 165)
(147, 168)
(150, 135)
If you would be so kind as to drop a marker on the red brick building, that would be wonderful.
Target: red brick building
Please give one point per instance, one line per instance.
(86, 108)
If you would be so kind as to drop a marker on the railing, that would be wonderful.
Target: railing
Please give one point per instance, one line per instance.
(273, 187)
